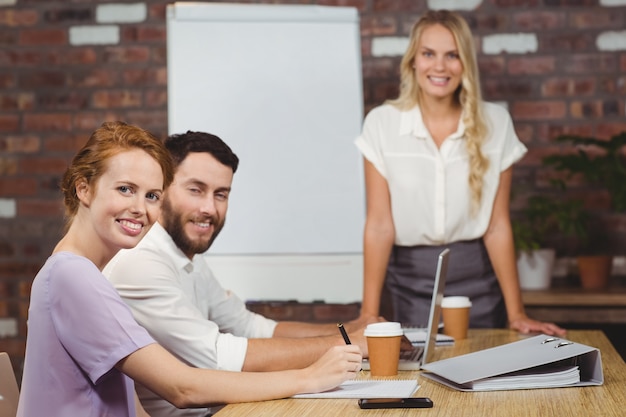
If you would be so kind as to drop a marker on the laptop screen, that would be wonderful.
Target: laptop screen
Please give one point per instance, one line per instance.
(435, 306)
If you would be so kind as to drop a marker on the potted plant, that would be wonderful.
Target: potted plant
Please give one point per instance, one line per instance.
(599, 163)
(534, 231)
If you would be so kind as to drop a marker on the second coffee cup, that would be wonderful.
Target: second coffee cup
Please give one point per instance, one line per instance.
(383, 344)
(456, 314)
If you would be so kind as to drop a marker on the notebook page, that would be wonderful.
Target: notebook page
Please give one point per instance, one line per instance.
(368, 389)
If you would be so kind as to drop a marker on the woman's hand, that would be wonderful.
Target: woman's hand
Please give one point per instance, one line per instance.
(337, 365)
(528, 325)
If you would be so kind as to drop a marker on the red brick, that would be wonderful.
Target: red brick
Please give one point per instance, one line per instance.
(73, 14)
(398, 6)
(39, 208)
(6, 289)
(622, 62)
(489, 22)
(65, 143)
(42, 79)
(31, 250)
(538, 110)
(156, 12)
(20, 143)
(379, 26)
(15, 348)
(600, 18)
(9, 123)
(535, 65)
(17, 101)
(535, 154)
(112, 99)
(93, 77)
(8, 166)
(366, 49)
(596, 108)
(558, 43)
(145, 76)
(612, 85)
(152, 120)
(18, 187)
(549, 131)
(12, 58)
(43, 165)
(131, 34)
(72, 56)
(24, 288)
(6, 250)
(378, 68)
(155, 98)
(515, 3)
(90, 121)
(360, 5)
(526, 132)
(565, 86)
(565, 3)
(589, 63)
(8, 37)
(126, 54)
(607, 129)
(63, 100)
(48, 122)
(33, 37)
(17, 18)
(385, 90)
(539, 20)
(158, 55)
(495, 88)
(491, 65)
(7, 81)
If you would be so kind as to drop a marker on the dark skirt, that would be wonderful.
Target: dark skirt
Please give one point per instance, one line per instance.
(411, 275)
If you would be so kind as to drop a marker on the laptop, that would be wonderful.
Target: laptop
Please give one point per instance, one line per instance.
(414, 359)
(9, 392)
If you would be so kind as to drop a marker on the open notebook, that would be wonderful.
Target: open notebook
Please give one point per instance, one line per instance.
(424, 341)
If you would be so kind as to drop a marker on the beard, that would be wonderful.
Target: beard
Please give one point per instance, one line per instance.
(174, 223)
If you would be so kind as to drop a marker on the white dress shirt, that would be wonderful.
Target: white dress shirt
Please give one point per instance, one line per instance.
(429, 189)
(184, 308)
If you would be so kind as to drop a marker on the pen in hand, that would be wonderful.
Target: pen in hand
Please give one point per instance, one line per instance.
(343, 333)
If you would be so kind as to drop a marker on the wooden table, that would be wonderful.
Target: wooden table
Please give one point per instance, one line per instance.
(575, 305)
(606, 400)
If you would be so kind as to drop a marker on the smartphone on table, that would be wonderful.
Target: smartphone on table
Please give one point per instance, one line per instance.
(414, 402)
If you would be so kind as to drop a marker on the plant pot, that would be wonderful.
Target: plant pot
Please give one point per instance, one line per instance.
(535, 269)
(594, 271)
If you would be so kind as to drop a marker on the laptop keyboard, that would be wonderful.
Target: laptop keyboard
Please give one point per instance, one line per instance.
(412, 355)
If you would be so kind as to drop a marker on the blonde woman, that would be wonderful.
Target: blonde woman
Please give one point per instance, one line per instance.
(438, 165)
(83, 348)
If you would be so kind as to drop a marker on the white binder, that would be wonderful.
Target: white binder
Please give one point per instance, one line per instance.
(528, 363)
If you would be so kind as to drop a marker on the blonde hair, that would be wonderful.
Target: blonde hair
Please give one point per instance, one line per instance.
(467, 95)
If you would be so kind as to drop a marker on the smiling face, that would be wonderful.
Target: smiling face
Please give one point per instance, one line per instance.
(123, 202)
(438, 68)
(194, 210)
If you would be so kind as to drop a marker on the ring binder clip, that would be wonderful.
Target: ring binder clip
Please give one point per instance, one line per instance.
(549, 339)
(563, 344)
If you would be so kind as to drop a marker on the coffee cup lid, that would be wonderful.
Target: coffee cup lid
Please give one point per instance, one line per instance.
(384, 329)
(456, 302)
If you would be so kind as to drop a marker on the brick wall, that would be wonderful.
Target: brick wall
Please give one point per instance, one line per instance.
(65, 67)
